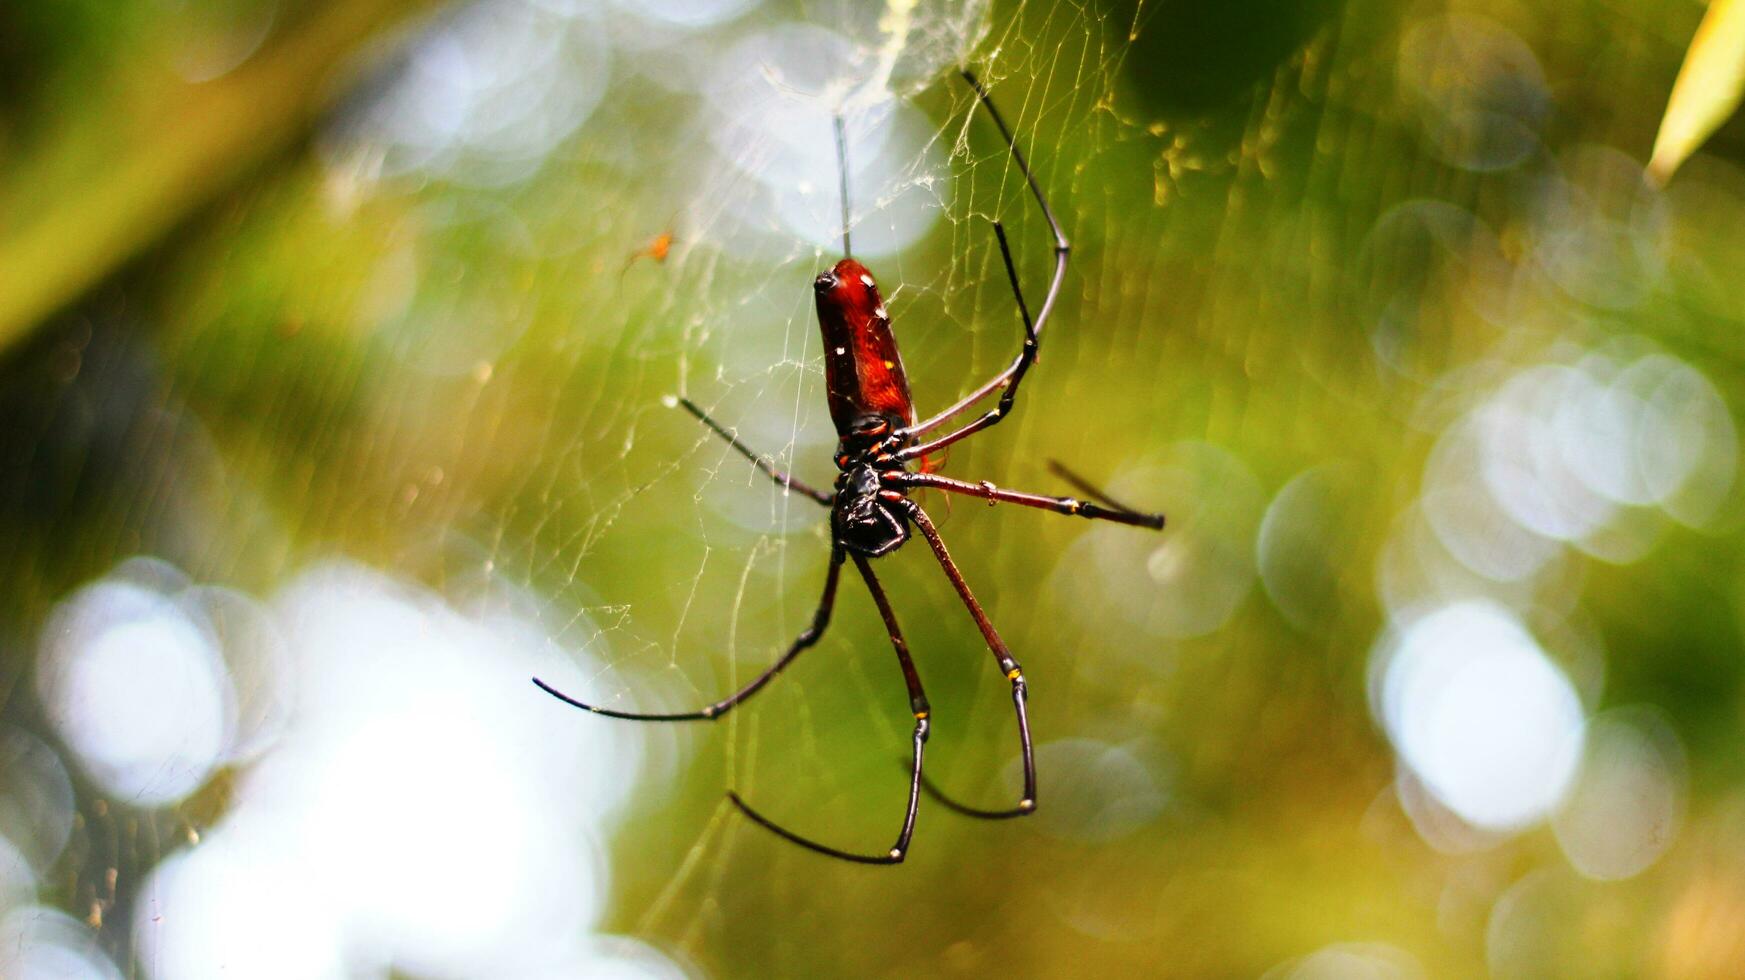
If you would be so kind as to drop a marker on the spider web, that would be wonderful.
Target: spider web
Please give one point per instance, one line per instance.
(677, 570)
(1371, 300)
(444, 341)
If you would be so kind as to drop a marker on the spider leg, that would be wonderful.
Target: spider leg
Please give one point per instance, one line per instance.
(1008, 666)
(786, 480)
(808, 637)
(1020, 367)
(1106, 511)
(1014, 372)
(1086, 487)
(917, 703)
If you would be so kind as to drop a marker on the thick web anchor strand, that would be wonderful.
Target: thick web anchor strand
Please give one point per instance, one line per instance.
(842, 173)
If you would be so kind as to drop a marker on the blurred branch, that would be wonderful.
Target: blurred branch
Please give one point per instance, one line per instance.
(1707, 90)
(114, 178)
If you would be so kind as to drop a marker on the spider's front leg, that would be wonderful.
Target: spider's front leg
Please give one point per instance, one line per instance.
(1013, 375)
(787, 480)
(1011, 378)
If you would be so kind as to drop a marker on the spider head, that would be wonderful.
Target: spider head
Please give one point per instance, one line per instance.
(852, 281)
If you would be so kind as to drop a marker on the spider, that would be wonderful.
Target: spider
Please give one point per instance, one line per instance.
(871, 513)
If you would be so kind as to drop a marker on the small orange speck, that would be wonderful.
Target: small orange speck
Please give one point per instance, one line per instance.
(656, 249)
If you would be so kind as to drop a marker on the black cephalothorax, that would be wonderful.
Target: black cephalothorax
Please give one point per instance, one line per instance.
(867, 516)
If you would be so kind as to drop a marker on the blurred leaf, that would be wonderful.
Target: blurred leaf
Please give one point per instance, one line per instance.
(119, 173)
(1707, 90)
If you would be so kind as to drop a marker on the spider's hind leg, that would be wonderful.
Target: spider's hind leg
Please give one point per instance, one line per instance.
(917, 703)
(1008, 666)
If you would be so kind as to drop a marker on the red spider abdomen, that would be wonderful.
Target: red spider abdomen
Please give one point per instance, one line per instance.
(863, 373)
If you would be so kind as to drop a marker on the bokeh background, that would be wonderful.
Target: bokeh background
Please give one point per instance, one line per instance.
(334, 339)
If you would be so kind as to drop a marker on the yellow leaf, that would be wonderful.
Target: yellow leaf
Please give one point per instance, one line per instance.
(1707, 90)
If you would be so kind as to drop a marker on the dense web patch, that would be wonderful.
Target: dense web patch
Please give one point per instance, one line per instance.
(673, 230)
(716, 141)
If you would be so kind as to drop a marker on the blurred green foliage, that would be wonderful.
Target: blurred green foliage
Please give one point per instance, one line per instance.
(229, 341)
